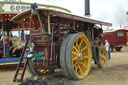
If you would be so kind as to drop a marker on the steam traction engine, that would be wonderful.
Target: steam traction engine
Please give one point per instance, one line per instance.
(61, 40)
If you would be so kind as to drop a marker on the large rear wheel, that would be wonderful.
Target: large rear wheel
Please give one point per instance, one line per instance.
(29, 49)
(35, 67)
(76, 56)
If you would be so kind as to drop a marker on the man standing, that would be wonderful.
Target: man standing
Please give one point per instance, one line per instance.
(107, 46)
(6, 46)
(96, 50)
(23, 37)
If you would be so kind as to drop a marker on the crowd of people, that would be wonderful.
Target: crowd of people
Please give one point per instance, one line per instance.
(12, 43)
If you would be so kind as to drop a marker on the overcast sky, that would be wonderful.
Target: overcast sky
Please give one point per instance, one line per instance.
(113, 11)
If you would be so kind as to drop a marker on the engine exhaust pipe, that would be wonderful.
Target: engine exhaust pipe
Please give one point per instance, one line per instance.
(87, 8)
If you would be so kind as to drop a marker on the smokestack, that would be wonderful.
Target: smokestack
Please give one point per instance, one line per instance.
(87, 7)
(127, 13)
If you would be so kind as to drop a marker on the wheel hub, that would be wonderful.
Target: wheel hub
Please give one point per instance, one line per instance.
(80, 56)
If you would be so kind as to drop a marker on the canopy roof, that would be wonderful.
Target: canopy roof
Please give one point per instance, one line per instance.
(20, 16)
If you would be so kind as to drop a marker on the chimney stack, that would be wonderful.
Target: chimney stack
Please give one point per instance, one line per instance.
(87, 8)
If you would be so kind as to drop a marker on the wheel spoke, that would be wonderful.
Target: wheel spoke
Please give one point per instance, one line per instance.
(74, 53)
(74, 58)
(103, 62)
(77, 44)
(84, 65)
(85, 57)
(80, 69)
(102, 57)
(74, 65)
(104, 54)
(75, 48)
(80, 43)
(84, 48)
(76, 69)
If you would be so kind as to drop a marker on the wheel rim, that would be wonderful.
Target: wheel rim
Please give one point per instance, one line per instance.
(103, 57)
(63, 57)
(40, 70)
(81, 56)
(29, 48)
(32, 66)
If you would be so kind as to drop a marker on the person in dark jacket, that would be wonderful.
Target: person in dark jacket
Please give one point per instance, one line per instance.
(23, 37)
(6, 46)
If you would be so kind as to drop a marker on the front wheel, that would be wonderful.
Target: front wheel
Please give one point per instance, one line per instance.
(103, 57)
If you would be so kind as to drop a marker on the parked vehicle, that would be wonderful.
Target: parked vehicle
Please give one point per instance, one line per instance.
(117, 39)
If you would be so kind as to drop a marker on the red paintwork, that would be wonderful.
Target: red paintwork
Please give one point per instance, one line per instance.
(79, 18)
(16, 29)
(35, 22)
(115, 40)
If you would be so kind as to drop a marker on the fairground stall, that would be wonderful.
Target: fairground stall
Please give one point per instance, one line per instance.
(13, 31)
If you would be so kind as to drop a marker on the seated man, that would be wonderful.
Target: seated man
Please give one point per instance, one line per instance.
(16, 44)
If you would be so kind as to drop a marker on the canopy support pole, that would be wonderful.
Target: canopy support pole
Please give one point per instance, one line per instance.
(49, 28)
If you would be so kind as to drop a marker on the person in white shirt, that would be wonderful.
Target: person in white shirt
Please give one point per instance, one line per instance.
(107, 47)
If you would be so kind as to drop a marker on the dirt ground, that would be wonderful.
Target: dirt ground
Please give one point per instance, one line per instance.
(116, 73)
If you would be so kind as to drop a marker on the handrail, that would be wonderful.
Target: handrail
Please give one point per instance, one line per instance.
(38, 34)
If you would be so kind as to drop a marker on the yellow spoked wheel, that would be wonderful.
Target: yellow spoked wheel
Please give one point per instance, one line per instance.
(103, 57)
(77, 57)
